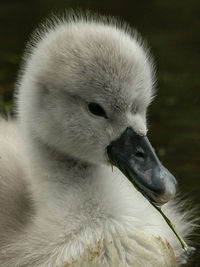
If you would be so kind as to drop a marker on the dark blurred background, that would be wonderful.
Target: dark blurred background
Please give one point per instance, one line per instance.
(172, 29)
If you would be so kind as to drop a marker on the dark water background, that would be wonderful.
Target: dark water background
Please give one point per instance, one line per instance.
(172, 29)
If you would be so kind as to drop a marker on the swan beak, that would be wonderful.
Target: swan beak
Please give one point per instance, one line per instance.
(135, 157)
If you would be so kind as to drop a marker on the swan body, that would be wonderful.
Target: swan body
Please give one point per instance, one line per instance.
(61, 204)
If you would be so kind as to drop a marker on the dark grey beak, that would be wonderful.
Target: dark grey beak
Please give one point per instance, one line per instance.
(135, 157)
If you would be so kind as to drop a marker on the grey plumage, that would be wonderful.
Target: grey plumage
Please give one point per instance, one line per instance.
(60, 203)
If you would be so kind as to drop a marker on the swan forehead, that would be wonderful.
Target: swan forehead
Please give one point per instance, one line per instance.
(99, 61)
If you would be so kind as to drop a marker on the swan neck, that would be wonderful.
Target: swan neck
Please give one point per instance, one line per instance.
(56, 179)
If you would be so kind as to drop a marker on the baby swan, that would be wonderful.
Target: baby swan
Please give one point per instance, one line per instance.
(82, 100)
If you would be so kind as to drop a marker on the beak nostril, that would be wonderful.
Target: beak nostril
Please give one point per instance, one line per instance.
(139, 154)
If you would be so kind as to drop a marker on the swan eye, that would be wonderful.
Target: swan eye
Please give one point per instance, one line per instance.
(97, 110)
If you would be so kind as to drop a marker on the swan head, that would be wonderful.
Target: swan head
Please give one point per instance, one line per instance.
(85, 91)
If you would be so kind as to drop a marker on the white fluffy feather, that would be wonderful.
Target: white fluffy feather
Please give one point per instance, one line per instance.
(60, 204)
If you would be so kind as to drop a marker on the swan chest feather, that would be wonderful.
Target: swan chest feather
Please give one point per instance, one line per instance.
(100, 229)
(112, 244)
(124, 251)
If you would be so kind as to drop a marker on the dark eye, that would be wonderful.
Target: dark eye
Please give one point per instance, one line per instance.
(97, 110)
